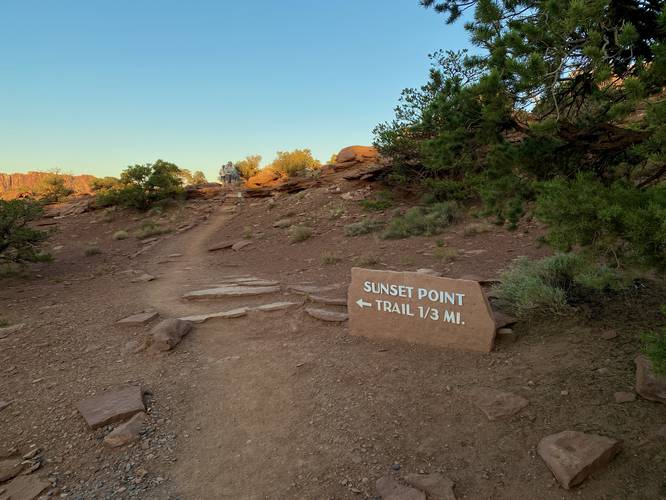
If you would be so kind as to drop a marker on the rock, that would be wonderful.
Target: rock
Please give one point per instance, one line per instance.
(503, 320)
(128, 432)
(133, 347)
(325, 315)
(608, 335)
(24, 488)
(277, 306)
(168, 333)
(430, 272)
(143, 278)
(8, 330)
(239, 245)
(10, 468)
(624, 397)
(231, 291)
(390, 489)
(4, 404)
(331, 301)
(201, 318)
(661, 432)
(221, 246)
(357, 154)
(497, 404)
(254, 282)
(435, 485)
(112, 406)
(649, 385)
(311, 289)
(139, 319)
(572, 456)
(282, 223)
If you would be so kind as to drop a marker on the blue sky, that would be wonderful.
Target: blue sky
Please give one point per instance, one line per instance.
(93, 86)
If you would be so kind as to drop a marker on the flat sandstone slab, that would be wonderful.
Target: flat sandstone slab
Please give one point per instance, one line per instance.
(24, 488)
(497, 404)
(421, 309)
(232, 313)
(326, 315)
(572, 456)
(139, 319)
(112, 406)
(231, 291)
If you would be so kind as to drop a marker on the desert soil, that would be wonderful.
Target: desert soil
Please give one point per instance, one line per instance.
(280, 405)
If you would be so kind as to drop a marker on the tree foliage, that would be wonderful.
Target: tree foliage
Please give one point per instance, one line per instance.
(562, 98)
(53, 188)
(141, 186)
(249, 166)
(18, 241)
(294, 162)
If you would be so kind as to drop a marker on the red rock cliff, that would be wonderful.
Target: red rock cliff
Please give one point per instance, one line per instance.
(14, 185)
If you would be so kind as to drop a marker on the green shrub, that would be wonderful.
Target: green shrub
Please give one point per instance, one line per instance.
(120, 235)
(381, 201)
(446, 254)
(294, 162)
(654, 347)
(247, 233)
(361, 227)
(477, 228)
(617, 220)
(554, 284)
(427, 221)
(53, 188)
(366, 261)
(92, 251)
(299, 233)
(249, 166)
(4, 323)
(150, 228)
(141, 186)
(104, 183)
(329, 259)
(18, 241)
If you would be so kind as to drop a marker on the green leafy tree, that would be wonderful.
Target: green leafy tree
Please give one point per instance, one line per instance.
(141, 186)
(53, 188)
(557, 89)
(294, 162)
(18, 241)
(249, 166)
(104, 183)
(198, 177)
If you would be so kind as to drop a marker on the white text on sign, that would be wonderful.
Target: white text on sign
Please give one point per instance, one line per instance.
(410, 292)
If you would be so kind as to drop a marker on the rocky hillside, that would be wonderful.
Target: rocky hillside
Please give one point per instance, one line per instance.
(15, 185)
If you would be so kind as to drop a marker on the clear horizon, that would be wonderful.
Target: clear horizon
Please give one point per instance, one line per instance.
(90, 89)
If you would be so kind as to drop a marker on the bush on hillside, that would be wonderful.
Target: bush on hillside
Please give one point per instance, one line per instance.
(378, 203)
(53, 188)
(554, 284)
(18, 241)
(294, 162)
(103, 183)
(141, 186)
(249, 166)
(364, 226)
(423, 221)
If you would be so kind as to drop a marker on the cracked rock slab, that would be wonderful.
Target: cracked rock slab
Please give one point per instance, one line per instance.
(497, 404)
(330, 301)
(649, 385)
(572, 456)
(436, 486)
(389, 488)
(127, 432)
(230, 291)
(201, 318)
(325, 315)
(112, 406)
(139, 319)
(24, 488)
(276, 306)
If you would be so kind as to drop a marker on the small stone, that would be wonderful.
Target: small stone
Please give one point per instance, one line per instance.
(390, 489)
(221, 246)
(429, 272)
(239, 245)
(624, 397)
(143, 278)
(503, 320)
(168, 333)
(139, 319)
(395, 466)
(608, 335)
(4, 404)
(564, 393)
(603, 371)
(277, 306)
(497, 404)
(661, 432)
(112, 406)
(649, 385)
(128, 432)
(282, 223)
(572, 456)
(324, 315)
(436, 486)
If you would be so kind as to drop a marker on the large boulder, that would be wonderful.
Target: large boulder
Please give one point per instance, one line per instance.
(572, 456)
(359, 154)
(167, 334)
(649, 385)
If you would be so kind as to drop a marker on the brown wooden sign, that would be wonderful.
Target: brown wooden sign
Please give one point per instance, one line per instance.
(420, 308)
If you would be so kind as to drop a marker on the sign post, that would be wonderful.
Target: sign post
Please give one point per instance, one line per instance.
(420, 308)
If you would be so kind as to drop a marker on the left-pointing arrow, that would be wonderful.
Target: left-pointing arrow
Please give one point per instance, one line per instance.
(362, 303)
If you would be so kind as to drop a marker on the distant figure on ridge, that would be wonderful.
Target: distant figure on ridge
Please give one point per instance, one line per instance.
(226, 172)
